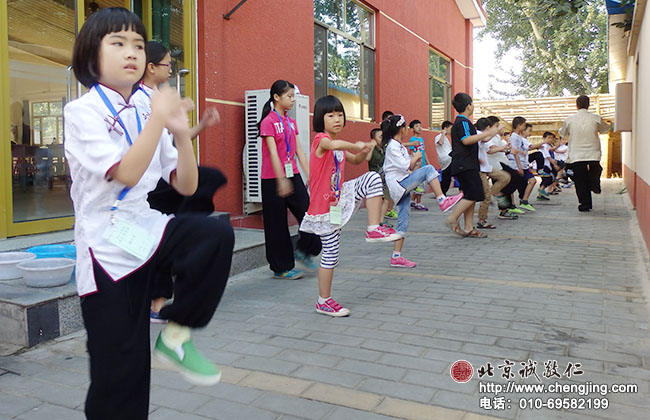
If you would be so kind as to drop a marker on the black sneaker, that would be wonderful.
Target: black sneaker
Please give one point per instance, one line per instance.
(507, 216)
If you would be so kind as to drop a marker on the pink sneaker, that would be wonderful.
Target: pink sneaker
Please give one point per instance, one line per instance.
(381, 235)
(331, 308)
(388, 230)
(450, 202)
(401, 262)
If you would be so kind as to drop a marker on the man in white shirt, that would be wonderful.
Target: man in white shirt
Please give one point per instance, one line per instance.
(583, 159)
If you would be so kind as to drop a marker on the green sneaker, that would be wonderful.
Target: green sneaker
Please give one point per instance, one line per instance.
(188, 361)
(541, 197)
(391, 214)
(516, 211)
(527, 206)
(418, 190)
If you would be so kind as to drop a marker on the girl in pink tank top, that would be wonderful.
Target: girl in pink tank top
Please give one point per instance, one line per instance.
(332, 201)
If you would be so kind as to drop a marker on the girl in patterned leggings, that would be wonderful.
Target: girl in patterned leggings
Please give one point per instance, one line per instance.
(333, 202)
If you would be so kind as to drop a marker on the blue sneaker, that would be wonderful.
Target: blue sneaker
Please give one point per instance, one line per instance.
(306, 260)
(288, 275)
(154, 317)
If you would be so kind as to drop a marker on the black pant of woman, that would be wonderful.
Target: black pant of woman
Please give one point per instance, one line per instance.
(167, 200)
(279, 247)
(198, 252)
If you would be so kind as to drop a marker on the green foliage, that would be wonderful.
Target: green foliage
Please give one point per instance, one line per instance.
(563, 44)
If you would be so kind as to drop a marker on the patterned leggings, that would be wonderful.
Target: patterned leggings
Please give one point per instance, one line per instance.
(367, 185)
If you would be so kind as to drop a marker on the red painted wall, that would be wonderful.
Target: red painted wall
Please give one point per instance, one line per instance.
(267, 40)
(629, 178)
(639, 192)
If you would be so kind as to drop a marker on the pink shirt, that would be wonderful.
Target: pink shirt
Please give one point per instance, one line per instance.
(323, 177)
(272, 126)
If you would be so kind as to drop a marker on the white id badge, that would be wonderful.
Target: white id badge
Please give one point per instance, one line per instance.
(131, 238)
(288, 170)
(336, 215)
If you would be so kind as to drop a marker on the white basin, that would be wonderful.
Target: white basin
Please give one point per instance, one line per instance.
(9, 261)
(47, 272)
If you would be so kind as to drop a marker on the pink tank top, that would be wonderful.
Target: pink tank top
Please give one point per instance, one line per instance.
(324, 176)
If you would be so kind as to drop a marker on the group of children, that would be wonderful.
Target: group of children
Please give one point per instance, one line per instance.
(141, 202)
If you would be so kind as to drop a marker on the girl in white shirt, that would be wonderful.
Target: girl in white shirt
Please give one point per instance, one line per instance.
(117, 154)
(401, 181)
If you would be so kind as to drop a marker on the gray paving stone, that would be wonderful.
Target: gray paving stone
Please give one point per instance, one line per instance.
(183, 401)
(57, 394)
(409, 362)
(230, 392)
(309, 358)
(391, 347)
(294, 406)
(350, 352)
(13, 405)
(229, 410)
(455, 400)
(400, 390)
(329, 376)
(266, 365)
(349, 413)
(50, 411)
(374, 370)
(164, 413)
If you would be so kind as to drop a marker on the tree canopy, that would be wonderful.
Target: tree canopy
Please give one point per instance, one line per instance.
(562, 44)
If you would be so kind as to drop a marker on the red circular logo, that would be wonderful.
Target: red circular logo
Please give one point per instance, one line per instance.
(461, 371)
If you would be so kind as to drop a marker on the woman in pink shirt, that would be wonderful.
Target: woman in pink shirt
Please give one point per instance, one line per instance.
(282, 186)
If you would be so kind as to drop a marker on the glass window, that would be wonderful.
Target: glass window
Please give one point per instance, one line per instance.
(344, 56)
(439, 89)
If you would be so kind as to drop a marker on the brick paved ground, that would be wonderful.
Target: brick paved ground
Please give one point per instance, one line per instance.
(554, 285)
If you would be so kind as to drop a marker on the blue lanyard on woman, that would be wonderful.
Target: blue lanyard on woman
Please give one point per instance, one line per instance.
(116, 115)
(286, 138)
(337, 191)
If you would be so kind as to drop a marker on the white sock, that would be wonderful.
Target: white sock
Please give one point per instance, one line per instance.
(441, 198)
(174, 334)
(397, 254)
(322, 300)
(372, 227)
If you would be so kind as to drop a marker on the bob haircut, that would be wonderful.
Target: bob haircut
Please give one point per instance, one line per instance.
(323, 106)
(85, 56)
(155, 52)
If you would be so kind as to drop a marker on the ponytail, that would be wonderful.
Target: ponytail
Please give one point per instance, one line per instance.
(278, 88)
(389, 127)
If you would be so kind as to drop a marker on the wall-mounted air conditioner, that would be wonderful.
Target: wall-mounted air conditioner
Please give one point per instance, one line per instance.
(255, 100)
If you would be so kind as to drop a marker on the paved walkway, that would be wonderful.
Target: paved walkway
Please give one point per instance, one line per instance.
(556, 285)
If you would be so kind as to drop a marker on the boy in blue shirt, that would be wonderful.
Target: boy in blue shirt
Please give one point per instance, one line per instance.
(416, 145)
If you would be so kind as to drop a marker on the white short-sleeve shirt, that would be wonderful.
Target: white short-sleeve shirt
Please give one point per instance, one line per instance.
(396, 167)
(94, 144)
(484, 163)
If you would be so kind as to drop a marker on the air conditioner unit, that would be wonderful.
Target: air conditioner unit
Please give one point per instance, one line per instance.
(252, 156)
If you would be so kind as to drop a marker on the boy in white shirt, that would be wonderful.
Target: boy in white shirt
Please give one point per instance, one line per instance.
(443, 148)
(499, 177)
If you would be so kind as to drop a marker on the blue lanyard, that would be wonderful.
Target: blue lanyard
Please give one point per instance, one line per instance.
(337, 192)
(145, 92)
(286, 138)
(110, 107)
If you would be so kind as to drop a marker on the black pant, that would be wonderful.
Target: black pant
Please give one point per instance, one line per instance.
(586, 175)
(445, 184)
(198, 252)
(279, 248)
(515, 183)
(537, 157)
(167, 200)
